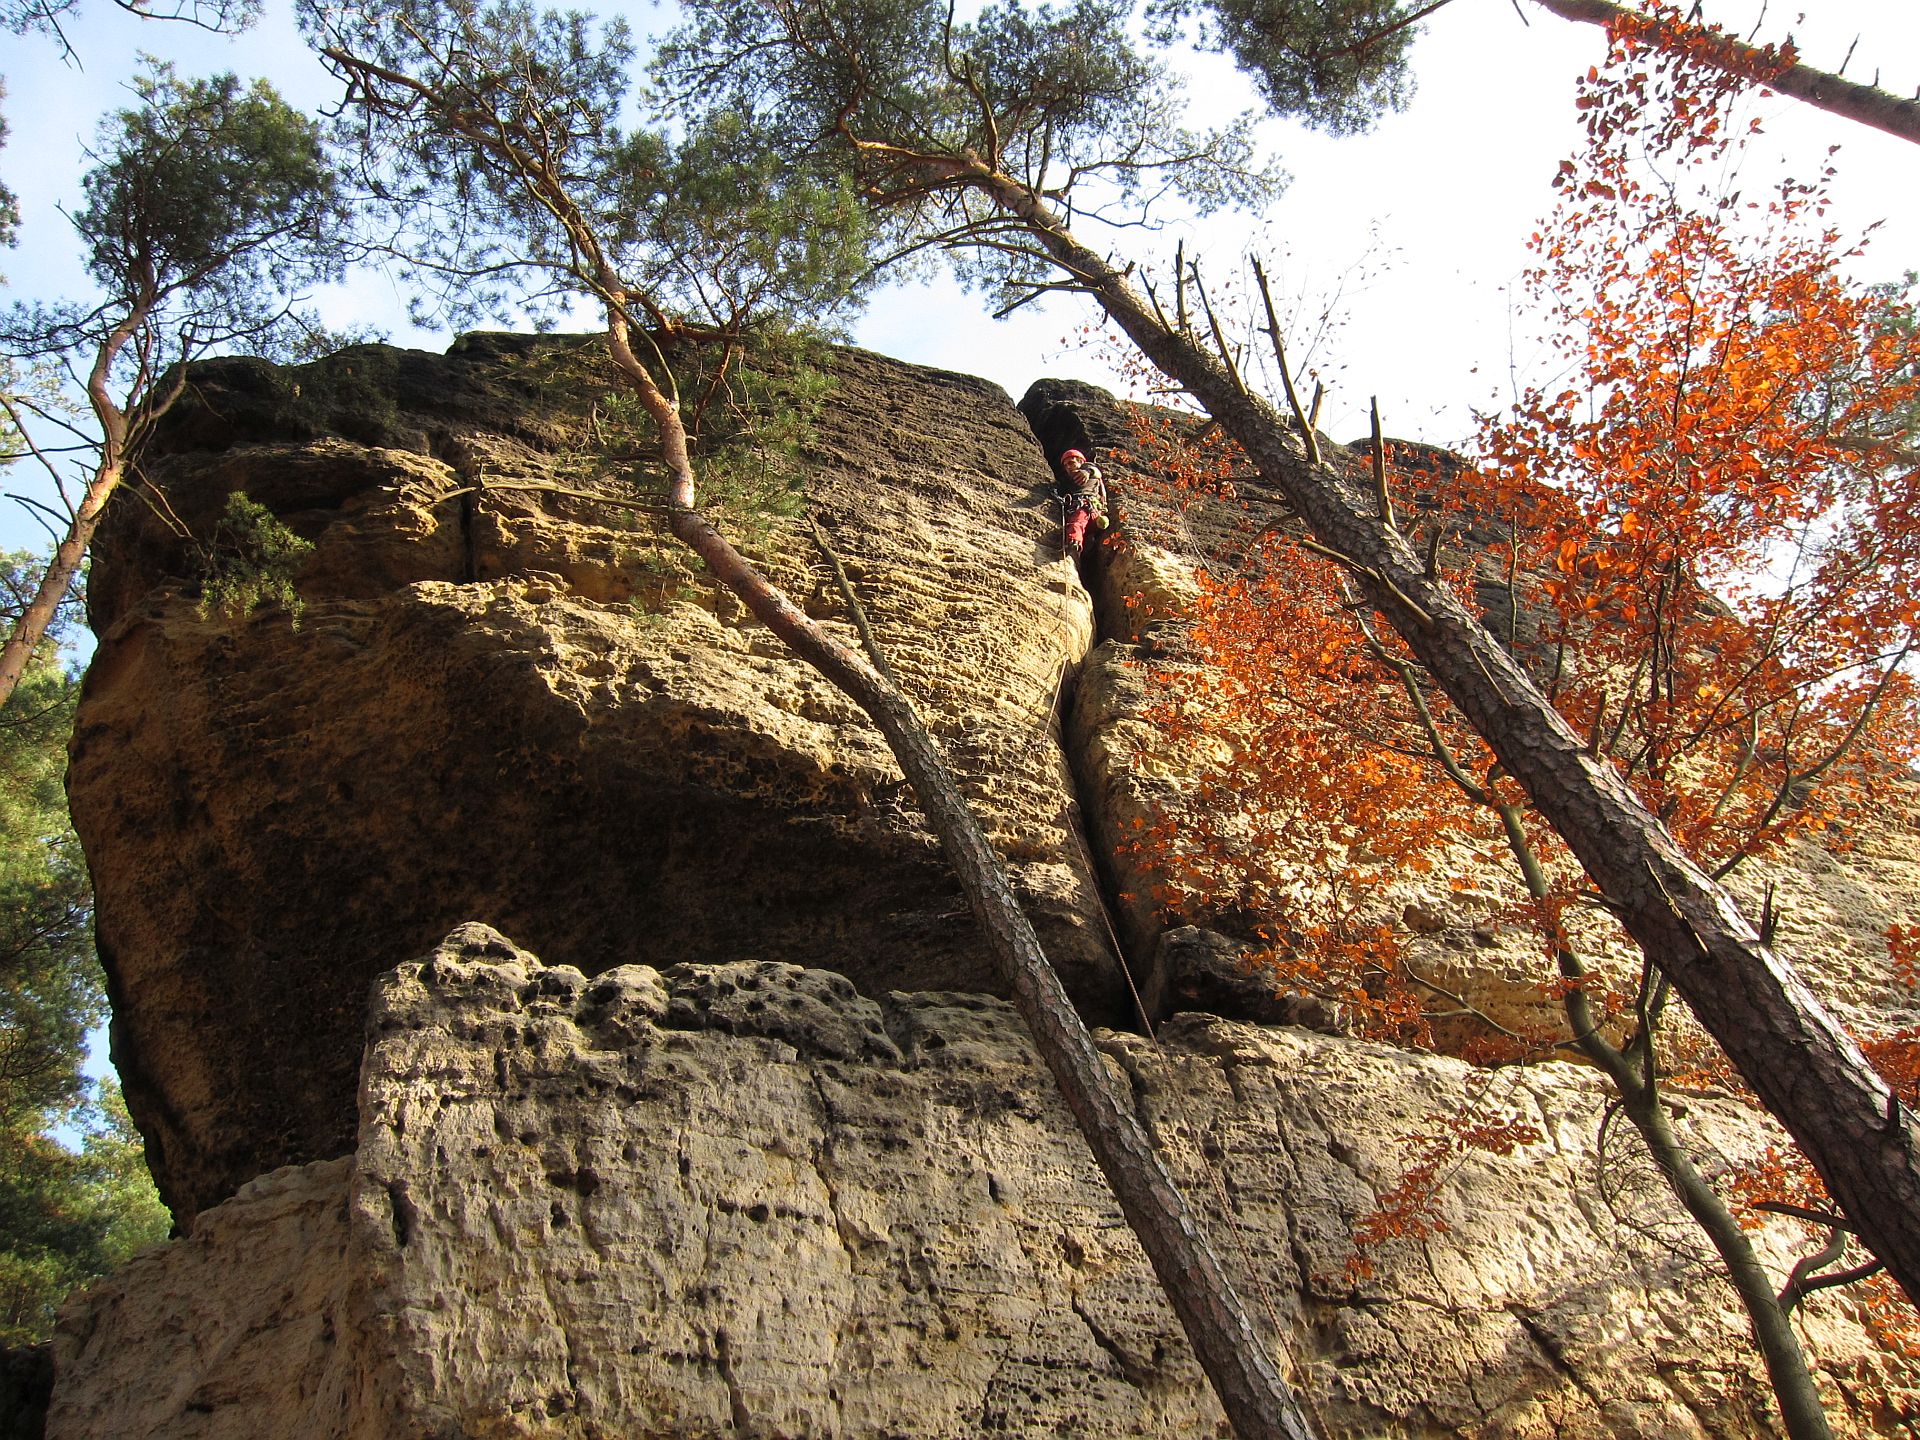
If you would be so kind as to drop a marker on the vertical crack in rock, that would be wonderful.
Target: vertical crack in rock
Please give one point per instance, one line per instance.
(1059, 425)
(405, 1217)
(737, 1406)
(459, 457)
(823, 1163)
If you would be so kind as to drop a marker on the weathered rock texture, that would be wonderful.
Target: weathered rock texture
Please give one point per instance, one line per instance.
(764, 1157)
(742, 1199)
(1833, 907)
(510, 704)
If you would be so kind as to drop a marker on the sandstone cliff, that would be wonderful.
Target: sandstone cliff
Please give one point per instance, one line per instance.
(513, 706)
(754, 1151)
(744, 1200)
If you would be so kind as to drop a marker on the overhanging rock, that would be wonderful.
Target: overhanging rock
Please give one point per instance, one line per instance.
(508, 702)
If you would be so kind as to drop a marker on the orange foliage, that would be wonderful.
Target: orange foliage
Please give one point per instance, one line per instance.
(1712, 560)
(1301, 818)
(1903, 949)
(1705, 48)
(1408, 1210)
(1716, 482)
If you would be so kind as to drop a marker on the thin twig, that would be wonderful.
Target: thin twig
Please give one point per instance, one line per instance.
(854, 607)
(1380, 494)
(1307, 437)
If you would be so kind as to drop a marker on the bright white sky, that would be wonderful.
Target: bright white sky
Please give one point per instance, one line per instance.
(1419, 228)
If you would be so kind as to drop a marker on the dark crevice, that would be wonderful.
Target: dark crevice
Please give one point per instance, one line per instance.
(1135, 956)
(405, 1216)
(457, 456)
(1139, 1376)
(1186, 965)
(1060, 424)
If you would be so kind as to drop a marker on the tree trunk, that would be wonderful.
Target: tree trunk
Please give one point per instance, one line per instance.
(1638, 1089)
(114, 457)
(1806, 1070)
(1257, 1399)
(1848, 98)
(31, 628)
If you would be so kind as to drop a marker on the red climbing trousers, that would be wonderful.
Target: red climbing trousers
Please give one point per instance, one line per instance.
(1079, 518)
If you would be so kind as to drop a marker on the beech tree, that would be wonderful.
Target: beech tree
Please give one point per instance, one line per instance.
(1291, 49)
(209, 204)
(1702, 523)
(1661, 25)
(824, 79)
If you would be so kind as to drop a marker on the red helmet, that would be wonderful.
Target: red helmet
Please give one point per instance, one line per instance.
(1072, 455)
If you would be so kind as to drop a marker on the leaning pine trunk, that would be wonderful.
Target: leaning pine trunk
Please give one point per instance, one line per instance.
(34, 622)
(1806, 1070)
(1256, 1398)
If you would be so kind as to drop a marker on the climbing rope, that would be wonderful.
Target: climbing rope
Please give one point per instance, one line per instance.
(1215, 1179)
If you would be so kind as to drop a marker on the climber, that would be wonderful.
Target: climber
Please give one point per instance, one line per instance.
(1083, 501)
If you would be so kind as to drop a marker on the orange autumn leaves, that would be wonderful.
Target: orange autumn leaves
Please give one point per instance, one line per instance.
(1703, 538)
(1716, 497)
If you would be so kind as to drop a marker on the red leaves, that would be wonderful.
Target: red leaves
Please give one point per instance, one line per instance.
(1700, 503)
(1903, 949)
(1713, 564)
(1410, 1208)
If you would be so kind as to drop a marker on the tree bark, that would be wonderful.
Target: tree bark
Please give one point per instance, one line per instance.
(32, 626)
(1633, 1074)
(1848, 98)
(1806, 1070)
(1257, 1399)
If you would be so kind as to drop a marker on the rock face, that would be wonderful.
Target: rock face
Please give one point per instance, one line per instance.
(514, 705)
(743, 1199)
(760, 1154)
(1832, 909)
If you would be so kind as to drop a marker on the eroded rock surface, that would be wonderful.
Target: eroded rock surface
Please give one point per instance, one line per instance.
(751, 1162)
(508, 702)
(745, 1200)
(1832, 904)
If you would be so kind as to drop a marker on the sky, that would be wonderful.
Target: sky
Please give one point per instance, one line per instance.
(1410, 238)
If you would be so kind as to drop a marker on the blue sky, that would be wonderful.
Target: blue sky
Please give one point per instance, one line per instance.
(1411, 236)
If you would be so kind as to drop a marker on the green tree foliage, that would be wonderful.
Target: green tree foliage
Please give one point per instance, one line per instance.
(249, 561)
(9, 202)
(65, 1215)
(68, 1216)
(210, 204)
(1063, 100)
(704, 226)
(49, 995)
(1338, 65)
